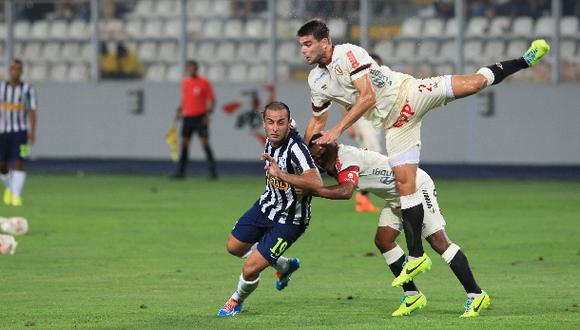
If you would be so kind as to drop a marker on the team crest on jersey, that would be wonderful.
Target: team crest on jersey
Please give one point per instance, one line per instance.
(278, 184)
(338, 70)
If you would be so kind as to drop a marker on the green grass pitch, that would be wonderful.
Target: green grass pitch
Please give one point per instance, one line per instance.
(134, 252)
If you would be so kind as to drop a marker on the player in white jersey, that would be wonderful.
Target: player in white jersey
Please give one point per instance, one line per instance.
(347, 75)
(17, 131)
(359, 169)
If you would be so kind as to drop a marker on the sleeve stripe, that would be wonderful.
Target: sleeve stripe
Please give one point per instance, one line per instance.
(360, 68)
(318, 109)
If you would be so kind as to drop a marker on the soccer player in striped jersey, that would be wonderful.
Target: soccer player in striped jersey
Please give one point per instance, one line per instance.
(280, 216)
(17, 131)
(396, 101)
(359, 169)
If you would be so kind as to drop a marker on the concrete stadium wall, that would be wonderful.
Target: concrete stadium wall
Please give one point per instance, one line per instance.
(532, 124)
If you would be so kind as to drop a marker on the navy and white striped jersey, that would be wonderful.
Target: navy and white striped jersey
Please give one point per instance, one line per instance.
(280, 202)
(15, 101)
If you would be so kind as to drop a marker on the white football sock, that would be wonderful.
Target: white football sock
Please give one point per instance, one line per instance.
(17, 182)
(410, 293)
(474, 295)
(282, 265)
(244, 288)
(6, 179)
(450, 253)
(393, 254)
(245, 256)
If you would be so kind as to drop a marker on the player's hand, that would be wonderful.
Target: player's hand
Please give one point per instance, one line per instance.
(329, 136)
(272, 166)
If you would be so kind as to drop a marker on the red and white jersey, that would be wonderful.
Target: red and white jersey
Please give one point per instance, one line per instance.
(334, 82)
(370, 171)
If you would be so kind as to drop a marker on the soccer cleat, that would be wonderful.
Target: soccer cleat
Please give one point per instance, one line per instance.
(282, 280)
(412, 268)
(537, 50)
(364, 204)
(473, 306)
(16, 201)
(409, 304)
(7, 196)
(231, 308)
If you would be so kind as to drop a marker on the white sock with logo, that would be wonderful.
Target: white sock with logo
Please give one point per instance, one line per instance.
(17, 182)
(282, 265)
(6, 179)
(245, 288)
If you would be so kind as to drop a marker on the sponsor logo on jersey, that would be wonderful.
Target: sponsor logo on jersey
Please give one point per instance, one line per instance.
(379, 79)
(406, 112)
(427, 199)
(352, 59)
(278, 184)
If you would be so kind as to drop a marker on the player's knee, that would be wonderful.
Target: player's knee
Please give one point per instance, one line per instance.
(384, 243)
(439, 241)
(234, 249)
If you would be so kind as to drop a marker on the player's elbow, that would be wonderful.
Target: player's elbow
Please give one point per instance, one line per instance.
(370, 99)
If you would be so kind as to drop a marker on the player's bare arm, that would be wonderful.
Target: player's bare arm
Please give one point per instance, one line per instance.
(308, 180)
(366, 100)
(339, 191)
(315, 124)
(32, 131)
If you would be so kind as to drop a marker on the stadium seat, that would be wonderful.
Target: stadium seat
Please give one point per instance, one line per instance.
(476, 27)
(154, 28)
(405, 51)
(494, 51)
(442, 69)
(448, 53)
(263, 53)
(433, 27)
(190, 50)
(569, 26)
(38, 72)
(147, 51)
(283, 72)
(172, 28)
(385, 49)
(258, 73)
(19, 47)
(173, 73)
(412, 27)
(59, 29)
(51, 51)
(155, 72)
(288, 52)
(2, 29)
(450, 28)
(427, 50)
(246, 51)
(70, 51)
(110, 28)
(544, 27)
(516, 48)
(212, 28)
(78, 29)
(234, 28)
(78, 72)
(59, 72)
(285, 28)
(194, 27)
(472, 51)
(238, 73)
(225, 51)
(284, 9)
(32, 51)
(39, 29)
(499, 27)
(22, 30)
(523, 27)
(222, 8)
(255, 28)
(168, 51)
(338, 27)
(206, 51)
(86, 51)
(216, 73)
(166, 8)
(200, 8)
(569, 51)
(134, 28)
(144, 8)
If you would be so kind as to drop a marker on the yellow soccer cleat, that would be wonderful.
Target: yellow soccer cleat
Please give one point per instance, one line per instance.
(473, 306)
(537, 50)
(412, 268)
(16, 201)
(409, 304)
(7, 196)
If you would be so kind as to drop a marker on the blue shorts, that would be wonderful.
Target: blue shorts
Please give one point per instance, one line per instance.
(273, 237)
(10, 145)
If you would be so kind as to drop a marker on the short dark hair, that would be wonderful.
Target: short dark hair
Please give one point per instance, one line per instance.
(377, 58)
(276, 106)
(192, 62)
(315, 27)
(17, 61)
(313, 138)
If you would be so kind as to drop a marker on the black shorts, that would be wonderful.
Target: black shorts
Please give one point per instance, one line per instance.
(12, 144)
(194, 124)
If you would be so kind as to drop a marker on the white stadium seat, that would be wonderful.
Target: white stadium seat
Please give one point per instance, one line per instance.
(59, 72)
(32, 51)
(412, 27)
(427, 50)
(499, 26)
(200, 8)
(78, 72)
(194, 27)
(283, 72)
(190, 50)
(166, 8)
(51, 51)
(443, 69)
(22, 30)
(70, 51)
(338, 27)
(569, 51)
(173, 73)
(217, 73)
(254, 28)
(523, 27)
(213, 29)
(172, 28)
(405, 51)
(450, 28)
(385, 49)
(2, 29)
(154, 28)
(86, 51)
(544, 27)
(134, 28)
(516, 48)
(168, 51)
(288, 52)
(448, 53)
(59, 29)
(258, 73)
(39, 29)
(38, 72)
(147, 51)
(222, 8)
(155, 72)
(494, 51)
(238, 73)
(246, 51)
(473, 49)
(79, 29)
(476, 27)
(569, 26)
(233, 28)
(433, 27)
(225, 51)
(285, 28)
(206, 51)
(144, 8)
(262, 54)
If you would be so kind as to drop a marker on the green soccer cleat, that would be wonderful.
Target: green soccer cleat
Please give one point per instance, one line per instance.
(537, 50)
(473, 306)
(412, 268)
(409, 304)
(16, 201)
(7, 197)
